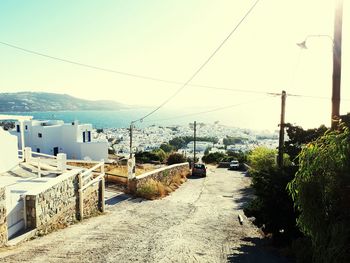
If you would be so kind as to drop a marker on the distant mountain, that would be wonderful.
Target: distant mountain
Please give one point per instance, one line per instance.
(42, 101)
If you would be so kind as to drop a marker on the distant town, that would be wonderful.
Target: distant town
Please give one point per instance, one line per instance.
(150, 138)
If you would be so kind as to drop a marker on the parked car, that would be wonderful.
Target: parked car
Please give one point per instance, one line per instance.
(199, 169)
(234, 165)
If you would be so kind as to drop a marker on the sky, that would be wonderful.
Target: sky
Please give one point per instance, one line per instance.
(170, 40)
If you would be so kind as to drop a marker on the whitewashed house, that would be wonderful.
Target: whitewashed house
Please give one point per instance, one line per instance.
(54, 136)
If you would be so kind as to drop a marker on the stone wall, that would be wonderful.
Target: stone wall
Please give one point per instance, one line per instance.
(58, 206)
(164, 175)
(91, 203)
(3, 221)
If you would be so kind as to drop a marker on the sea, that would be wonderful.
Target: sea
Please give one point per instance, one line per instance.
(112, 119)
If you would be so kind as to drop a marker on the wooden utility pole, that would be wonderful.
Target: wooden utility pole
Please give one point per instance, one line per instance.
(131, 140)
(194, 143)
(281, 137)
(338, 21)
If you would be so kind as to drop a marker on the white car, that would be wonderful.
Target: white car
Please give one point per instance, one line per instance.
(234, 165)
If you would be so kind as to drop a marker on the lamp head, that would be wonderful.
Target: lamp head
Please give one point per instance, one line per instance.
(302, 45)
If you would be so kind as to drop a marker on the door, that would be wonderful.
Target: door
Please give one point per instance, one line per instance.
(55, 151)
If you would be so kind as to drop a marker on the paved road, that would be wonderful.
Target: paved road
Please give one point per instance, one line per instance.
(197, 223)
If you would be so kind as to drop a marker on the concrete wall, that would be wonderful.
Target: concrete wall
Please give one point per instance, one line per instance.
(58, 206)
(3, 221)
(8, 151)
(164, 175)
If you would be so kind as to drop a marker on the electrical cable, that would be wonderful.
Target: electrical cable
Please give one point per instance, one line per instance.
(201, 67)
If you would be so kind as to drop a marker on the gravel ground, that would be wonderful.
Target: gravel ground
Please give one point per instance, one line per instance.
(196, 223)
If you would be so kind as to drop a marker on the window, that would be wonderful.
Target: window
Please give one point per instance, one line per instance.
(40, 135)
(38, 150)
(26, 127)
(89, 136)
(18, 128)
(83, 136)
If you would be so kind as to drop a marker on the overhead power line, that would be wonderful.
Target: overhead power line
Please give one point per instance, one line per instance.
(201, 67)
(128, 74)
(207, 111)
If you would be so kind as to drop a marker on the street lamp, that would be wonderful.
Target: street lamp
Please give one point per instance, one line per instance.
(303, 45)
(336, 44)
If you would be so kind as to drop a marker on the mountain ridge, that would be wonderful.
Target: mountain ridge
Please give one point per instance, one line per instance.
(28, 101)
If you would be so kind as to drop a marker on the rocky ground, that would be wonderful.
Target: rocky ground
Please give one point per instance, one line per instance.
(197, 223)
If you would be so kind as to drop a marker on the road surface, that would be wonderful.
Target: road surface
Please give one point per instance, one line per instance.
(196, 223)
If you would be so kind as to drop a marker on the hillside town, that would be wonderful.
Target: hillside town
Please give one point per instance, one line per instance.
(150, 138)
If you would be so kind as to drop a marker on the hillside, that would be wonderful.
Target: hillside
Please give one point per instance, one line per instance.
(41, 101)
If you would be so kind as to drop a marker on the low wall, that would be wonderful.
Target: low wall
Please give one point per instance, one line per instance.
(3, 221)
(164, 174)
(58, 206)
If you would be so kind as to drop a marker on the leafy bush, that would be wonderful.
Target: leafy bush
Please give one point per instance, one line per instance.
(321, 192)
(146, 157)
(161, 154)
(215, 157)
(272, 206)
(176, 158)
(166, 147)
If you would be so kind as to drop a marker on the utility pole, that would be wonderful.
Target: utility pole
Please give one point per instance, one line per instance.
(281, 137)
(130, 134)
(338, 21)
(194, 143)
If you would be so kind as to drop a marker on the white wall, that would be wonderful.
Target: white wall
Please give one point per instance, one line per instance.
(8, 151)
(67, 137)
(94, 150)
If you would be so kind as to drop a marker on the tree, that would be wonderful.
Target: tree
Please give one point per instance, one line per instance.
(177, 142)
(166, 147)
(299, 137)
(229, 140)
(206, 152)
(321, 192)
(215, 157)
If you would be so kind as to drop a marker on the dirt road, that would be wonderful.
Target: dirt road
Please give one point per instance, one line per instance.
(197, 223)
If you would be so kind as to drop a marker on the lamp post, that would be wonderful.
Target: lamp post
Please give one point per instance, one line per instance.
(336, 78)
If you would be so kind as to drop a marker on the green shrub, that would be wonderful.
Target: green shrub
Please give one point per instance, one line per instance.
(146, 157)
(321, 192)
(215, 157)
(272, 206)
(161, 154)
(176, 158)
(166, 147)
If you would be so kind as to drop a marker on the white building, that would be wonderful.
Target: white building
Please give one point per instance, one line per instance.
(55, 136)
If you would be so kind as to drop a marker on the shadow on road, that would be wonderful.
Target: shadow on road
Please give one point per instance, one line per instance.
(117, 199)
(256, 252)
(244, 196)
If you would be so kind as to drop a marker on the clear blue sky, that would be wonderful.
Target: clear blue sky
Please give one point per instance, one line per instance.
(169, 40)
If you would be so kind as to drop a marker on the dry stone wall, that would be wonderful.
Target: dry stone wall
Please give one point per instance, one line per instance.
(165, 175)
(3, 221)
(58, 206)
